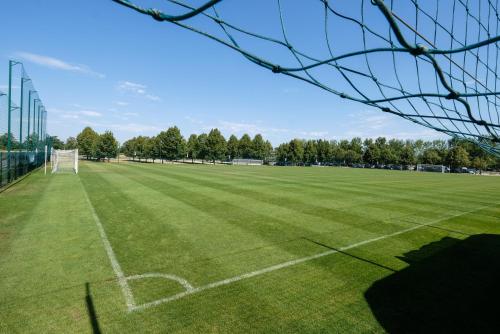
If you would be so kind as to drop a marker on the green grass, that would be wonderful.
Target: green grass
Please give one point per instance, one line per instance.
(210, 223)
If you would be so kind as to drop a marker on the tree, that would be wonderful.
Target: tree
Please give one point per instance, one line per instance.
(408, 157)
(232, 147)
(202, 147)
(480, 163)
(139, 146)
(87, 142)
(216, 145)
(172, 144)
(282, 152)
(458, 157)
(192, 147)
(107, 146)
(245, 147)
(324, 151)
(57, 143)
(71, 143)
(128, 148)
(4, 141)
(258, 147)
(380, 152)
(356, 146)
(310, 152)
(151, 146)
(431, 156)
(296, 151)
(31, 142)
(370, 152)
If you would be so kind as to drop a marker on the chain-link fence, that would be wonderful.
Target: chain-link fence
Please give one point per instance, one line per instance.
(23, 119)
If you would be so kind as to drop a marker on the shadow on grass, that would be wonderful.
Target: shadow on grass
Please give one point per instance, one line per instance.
(91, 310)
(451, 285)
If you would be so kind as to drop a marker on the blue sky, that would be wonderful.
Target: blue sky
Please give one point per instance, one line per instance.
(96, 63)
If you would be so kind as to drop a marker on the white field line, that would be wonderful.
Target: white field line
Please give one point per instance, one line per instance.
(122, 280)
(293, 262)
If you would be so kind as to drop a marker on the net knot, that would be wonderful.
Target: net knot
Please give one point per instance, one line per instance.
(156, 14)
(386, 109)
(276, 69)
(453, 96)
(418, 50)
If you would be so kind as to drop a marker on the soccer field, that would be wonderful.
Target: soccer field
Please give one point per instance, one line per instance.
(183, 248)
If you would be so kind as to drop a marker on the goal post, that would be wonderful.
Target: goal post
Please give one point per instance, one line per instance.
(64, 161)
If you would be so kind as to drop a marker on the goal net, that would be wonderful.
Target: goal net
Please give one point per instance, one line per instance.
(434, 63)
(431, 168)
(64, 161)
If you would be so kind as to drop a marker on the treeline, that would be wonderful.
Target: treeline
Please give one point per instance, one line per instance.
(454, 153)
(171, 145)
(90, 144)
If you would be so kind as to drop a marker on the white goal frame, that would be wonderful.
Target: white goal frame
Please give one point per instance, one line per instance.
(63, 160)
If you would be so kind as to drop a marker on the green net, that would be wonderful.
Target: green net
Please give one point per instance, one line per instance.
(22, 126)
(434, 63)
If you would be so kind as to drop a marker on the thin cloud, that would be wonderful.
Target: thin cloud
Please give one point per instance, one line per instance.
(121, 103)
(75, 114)
(153, 97)
(58, 64)
(90, 113)
(132, 87)
(136, 89)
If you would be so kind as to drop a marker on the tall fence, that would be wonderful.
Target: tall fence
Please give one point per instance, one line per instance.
(23, 123)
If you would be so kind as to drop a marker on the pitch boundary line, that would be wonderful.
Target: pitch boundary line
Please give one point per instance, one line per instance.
(127, 292)
(122, 280)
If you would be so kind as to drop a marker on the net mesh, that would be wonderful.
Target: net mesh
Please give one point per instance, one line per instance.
(434, 63)
(22, 126)
(64, 161)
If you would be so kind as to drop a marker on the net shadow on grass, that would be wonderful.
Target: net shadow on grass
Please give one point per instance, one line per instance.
(449, 286)
(94, 322)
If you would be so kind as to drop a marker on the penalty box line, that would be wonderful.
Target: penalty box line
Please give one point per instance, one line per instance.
(296, 261)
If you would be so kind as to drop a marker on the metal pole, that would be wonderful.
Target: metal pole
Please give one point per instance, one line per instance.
(34, 116)
(21, 118)
(38, 125)
(29, 115)
(9, 105)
